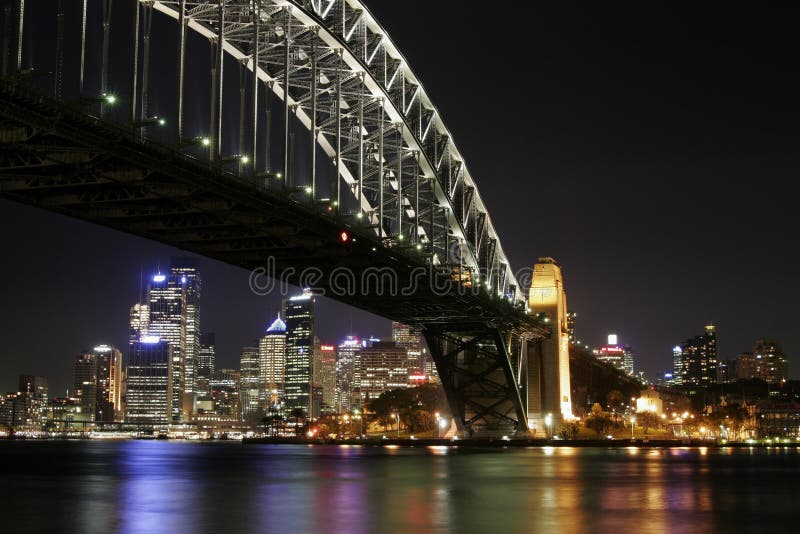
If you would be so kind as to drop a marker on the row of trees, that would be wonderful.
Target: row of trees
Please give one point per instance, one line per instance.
(416, 407)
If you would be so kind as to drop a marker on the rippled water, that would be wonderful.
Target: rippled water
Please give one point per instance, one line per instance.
(156, 486)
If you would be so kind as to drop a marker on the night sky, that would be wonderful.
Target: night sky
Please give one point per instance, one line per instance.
(650, 149)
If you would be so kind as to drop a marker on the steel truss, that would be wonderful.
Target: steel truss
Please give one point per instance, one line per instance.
(478, 367)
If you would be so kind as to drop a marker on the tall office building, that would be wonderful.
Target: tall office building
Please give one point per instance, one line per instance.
(272, 364)
(139, 319)
(767, 362)
(699, 359)
(184, 271)
(173, 306)
(384, 366)
(677, 366)
(149, 382)
(621, 357)
(348, 375)
(249, 381)
(225, 387)
(627, 360)
(299, 315)
(410, 338)
(109, 383)
(206, 361)
(324, 377)
(85, 382)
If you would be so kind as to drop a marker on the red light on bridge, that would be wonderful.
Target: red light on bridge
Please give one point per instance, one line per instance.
(344, 236)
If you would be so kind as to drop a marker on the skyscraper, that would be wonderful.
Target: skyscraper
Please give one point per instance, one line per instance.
(206, 361)
(109, 383)
(348, 375)
(299, 314)
(272, 363)
(35, 386)
(173, 303)
(324, 377)
(85, 382)
(677, 366)
(771, 364)
(384, 366)
(627, 360)
(699, 359)
(149, 382)
(409, 338)
(184, 271)
(249, 381)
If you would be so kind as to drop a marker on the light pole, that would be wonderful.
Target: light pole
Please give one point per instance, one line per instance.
(438, 434)
(548, 420)
(357, 415)
(633, 422)
(442, 425)
(397, 418)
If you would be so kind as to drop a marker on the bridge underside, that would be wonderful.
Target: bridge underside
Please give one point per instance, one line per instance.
(61, 160)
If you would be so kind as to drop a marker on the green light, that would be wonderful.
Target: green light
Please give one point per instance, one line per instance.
(205, 141)
(162, 122)
(308, 189)
(110, 99)
(245, 159)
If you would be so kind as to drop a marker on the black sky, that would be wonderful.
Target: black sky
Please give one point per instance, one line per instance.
(650, 148)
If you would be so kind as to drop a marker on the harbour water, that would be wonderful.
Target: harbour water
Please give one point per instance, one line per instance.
(172, 486)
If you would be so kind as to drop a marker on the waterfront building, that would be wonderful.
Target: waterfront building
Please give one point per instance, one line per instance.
(206, 361)
(699, 359)
(771, 364)
(35, 386)
(272, 364)
(384, 366)
(225, 387)
(677, 366)
(324, 370)
(348, 375)
(85, 382)
(149, 382)
(250, 381)
(108, 383)
(410, 338)
(298, 312)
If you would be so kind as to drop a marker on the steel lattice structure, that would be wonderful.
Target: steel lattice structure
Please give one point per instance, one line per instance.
(383, 165)
(360, 102)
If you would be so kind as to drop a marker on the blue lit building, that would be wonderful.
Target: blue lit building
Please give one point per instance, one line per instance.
(149, 379)
(299, 319)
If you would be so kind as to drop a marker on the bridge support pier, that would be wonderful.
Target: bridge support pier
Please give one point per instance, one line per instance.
(478, 378)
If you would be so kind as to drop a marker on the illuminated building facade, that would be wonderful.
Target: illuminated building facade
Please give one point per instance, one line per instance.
(299, 317)
(348, 375)
(85, 382)
(272, 363)
(772, 366)
(676, 378)
(384, 366)
(548, 386)
(699, 359)
(149, 382)
(206, 361)
(250, 381)
(183, 271)
(225, 387)
(325, 377)
(109, 383)
(35, 386)
(616, 355)
(410, 338)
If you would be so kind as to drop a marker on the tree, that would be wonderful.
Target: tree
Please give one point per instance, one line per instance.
(598, 420)
(614, 399)
(568, 430)
(647, 420)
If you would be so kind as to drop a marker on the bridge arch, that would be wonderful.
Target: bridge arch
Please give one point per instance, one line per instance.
(354, 92)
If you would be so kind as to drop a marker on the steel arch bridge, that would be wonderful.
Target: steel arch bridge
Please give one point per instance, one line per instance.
(380, 164)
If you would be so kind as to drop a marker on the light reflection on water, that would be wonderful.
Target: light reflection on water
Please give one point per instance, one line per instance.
(155, 486)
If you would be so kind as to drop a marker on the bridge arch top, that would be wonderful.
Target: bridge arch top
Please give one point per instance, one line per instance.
(364, 100)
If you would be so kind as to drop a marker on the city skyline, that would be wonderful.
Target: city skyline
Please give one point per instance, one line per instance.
(611, 189)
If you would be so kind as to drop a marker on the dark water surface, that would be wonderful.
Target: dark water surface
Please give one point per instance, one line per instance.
(156, 486)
